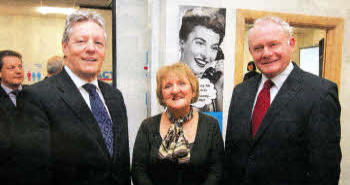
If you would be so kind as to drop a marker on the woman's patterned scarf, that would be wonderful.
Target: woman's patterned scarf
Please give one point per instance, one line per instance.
(174, 145)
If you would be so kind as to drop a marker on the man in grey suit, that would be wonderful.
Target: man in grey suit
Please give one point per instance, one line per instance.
(71, 127)
(284, 125)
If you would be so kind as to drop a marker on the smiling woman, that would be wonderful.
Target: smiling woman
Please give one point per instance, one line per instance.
(180, 145)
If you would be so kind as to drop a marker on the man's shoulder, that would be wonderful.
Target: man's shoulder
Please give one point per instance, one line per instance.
(248, 83)
(2, 91)
(40, 86)
(107, 87)
(45, 89)
(315, 82)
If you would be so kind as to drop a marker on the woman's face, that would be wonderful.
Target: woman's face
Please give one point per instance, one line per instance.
(176, 91)
(200, 49)
(250, 67)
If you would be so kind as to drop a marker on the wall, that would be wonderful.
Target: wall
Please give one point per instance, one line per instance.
(38, 37)
(26, 35)
(131, 58)
(161, 19)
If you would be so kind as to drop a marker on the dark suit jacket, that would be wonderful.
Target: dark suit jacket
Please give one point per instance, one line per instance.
(5, 147)
(57, 139)
(6, 103)
(297, 141)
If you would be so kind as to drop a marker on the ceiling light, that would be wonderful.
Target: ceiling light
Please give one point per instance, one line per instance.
(55, 10)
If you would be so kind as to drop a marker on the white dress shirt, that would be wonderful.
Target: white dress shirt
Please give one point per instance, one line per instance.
(80, 82)
(277, 81)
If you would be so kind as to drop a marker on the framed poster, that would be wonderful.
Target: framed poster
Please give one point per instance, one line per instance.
(197, 41)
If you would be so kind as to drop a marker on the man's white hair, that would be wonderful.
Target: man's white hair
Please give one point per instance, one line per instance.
(285, 26)
(80, 16)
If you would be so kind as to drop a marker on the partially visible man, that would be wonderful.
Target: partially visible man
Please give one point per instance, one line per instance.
(284, 125)
(12, 75)
(72, 128)
(54, 65)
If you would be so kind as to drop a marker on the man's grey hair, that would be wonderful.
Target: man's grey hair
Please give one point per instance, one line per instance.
(54, 65)
(80, 16)
(285, 26)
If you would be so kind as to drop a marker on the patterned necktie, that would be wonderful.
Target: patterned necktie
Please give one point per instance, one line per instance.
(261, 106)
(101, 115)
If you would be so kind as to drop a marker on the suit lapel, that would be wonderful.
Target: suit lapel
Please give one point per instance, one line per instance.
(288, 91)
(248, 99)
(72, 97)
(7, 103)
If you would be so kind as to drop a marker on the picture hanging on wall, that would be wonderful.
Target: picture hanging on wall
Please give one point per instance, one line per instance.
(201, 31)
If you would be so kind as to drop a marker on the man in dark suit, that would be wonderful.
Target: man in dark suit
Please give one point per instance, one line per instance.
(72, 128)
(284, 125)
(12, 75)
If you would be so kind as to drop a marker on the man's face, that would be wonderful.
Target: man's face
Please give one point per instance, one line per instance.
(200, 49)
(12, 73)
(271, 48)
(85, 50)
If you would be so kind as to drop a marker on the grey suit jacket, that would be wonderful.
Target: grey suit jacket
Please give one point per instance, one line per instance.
(297, 141)
(57, 139)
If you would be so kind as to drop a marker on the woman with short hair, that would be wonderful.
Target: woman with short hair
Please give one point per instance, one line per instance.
(179, 145)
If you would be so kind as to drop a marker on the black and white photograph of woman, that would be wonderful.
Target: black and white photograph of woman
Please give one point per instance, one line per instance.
(201, 33)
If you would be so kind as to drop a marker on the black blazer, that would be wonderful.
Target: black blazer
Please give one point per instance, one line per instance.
(298, 140)
(6, 164)
(57, 139)
(6, 103)
(204, 168)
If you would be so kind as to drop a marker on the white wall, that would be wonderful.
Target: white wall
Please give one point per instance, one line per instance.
(131, 53)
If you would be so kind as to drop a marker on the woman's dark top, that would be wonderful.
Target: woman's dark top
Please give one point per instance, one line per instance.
(205, 166)
(250, 74)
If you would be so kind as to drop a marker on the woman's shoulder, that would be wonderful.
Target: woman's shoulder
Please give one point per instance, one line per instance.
(207, 122)
(151, 122)
(206, 118)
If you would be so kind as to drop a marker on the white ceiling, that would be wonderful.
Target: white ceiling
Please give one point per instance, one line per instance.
(28, 7)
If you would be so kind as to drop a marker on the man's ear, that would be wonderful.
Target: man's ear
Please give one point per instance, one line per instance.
(292, 42)
(65, 48)
(250, 51)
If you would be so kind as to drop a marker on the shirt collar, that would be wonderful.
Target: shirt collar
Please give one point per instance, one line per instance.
(280, 78)
(77, 80)
(9, 90)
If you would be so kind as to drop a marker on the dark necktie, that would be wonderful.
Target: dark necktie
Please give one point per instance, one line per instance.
(261, 106)
(14, 99)
(101, 115)
(15, 92)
